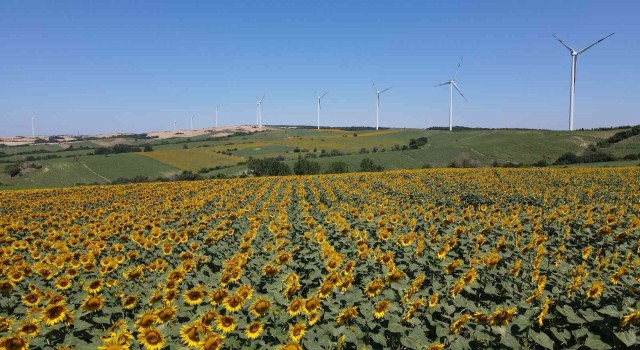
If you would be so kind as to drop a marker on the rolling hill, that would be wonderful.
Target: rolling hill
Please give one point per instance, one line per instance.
(75, 162)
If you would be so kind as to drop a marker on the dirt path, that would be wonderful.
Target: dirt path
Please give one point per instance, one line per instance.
(91, 170)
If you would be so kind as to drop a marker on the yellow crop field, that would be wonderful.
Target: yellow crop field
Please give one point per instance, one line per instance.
(193, 159)
(425, 259)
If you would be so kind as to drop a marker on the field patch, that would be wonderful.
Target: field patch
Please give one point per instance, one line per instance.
(193, 159)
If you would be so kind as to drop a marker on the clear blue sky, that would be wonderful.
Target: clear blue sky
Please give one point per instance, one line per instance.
(116, 66)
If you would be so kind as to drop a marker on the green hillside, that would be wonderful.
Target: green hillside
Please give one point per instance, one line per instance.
(72, 163)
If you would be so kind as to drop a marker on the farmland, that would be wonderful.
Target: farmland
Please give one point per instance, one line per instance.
(456, 258)
(227, 153)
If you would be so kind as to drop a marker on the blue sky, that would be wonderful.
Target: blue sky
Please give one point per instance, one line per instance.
(110, 66)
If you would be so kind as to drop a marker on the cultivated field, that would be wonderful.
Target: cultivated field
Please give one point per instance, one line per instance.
(483, 258)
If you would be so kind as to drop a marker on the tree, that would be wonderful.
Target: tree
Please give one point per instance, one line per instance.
(304, 166)
(268, 167)
(368, 165)
(337, 168)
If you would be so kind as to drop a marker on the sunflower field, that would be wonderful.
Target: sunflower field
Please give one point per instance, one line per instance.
(426, 259)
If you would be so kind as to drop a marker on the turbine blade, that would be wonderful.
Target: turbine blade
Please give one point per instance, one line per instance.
(563, 44)
(386, 89)
(460, 92)
(324, 94)
(457, 69)
(374, 87)
(263, 96)
(590, 46)
(442, 84)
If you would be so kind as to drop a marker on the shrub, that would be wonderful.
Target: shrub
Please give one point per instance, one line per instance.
(304, 166)
(368, 165)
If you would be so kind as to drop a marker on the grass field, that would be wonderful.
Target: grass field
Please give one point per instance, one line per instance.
(481, 147)
(192, 159)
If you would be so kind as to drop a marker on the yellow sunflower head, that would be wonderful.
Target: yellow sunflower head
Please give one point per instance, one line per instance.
(93, 303)
(297, 332)
(226, 324)
(254, 330)
(260, 307)
(381, 308)
(151, 339)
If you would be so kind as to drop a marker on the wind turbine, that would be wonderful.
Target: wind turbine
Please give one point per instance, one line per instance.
(259, 111)
(574, 62)
(320, 107)
(33, 129)
(193, 116)
(216, 116)
(174, 125)
(452, 84)
(378, 102)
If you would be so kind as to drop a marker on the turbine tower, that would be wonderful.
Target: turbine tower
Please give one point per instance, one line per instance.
(193, 116)
(452, 84)
(320, 107)
(574, 62)
(216, 116)
(259, 111)
(33, 129)
(174, 125)
(378, 102)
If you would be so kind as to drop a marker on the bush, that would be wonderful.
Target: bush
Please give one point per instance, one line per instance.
(337, 168)
(12, 169)
(148, 148)
(567, 158)
(632, 156)
(541, 163)
(417, 143)
(304, 166)
(268, 167)
(367, 165)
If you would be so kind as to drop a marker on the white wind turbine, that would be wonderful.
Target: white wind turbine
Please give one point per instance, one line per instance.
(216, 116)
(174, 125)
(574, 62)
(378, 102)
(33, 128)
(193, 116)
(259, 111)
(452, 84)
(320, 107)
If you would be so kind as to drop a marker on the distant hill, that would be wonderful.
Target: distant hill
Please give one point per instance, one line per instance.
(119, 158)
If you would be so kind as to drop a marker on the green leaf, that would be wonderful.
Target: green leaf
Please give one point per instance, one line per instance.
(572, 317)
(628, 337)
(379, 339)
(561, 335)
(593, 341)
(542, 339)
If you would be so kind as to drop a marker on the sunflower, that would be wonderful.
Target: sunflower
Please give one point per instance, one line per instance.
(145, 320)
(212, 341)
(595, 290)
(260, 307)
(544, 310)
(374, 287)
(155, 297)
(63, 283)
(245, 291)
(470, 276)
(295, 307)
(395, 275)
(348, 314)
(30, 328)
(312, 318)
(254, 330)
(297, 332)
(436, 346)
(54, 314)
(166, 313)
(31, 299)
(502, 316)
(433, 300)
(15, 342)
(217, 296)
(209, 317)
(151, 339)
(312, 304)
(15, 275)
(233, 303)
(129, 302)
(6, 286)
(93, 303)
(270, 270)
(631, 318)
(290, 346)
(381, 308)
(226, 324)
(194, 296)
(190, 334)
(459, 323)
(94, 287)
